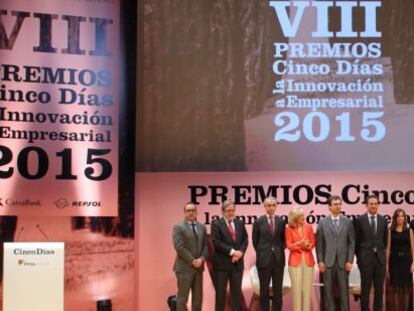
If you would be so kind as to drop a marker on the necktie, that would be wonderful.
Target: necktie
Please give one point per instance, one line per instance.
(373, 225)
(272, 225)
(232, 231)
(194, 231)
(336, 226)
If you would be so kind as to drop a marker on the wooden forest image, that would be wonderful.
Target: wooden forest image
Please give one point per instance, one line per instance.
(207, 68)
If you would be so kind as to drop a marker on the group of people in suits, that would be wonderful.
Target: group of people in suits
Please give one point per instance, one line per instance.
(380, 252)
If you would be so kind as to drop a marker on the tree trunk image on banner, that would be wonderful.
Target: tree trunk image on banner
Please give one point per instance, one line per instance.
(276, 85)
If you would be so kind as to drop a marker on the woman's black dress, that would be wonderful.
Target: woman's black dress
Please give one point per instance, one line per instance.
(400, 259)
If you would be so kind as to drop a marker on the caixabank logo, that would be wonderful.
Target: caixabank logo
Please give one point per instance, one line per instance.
(13, 202)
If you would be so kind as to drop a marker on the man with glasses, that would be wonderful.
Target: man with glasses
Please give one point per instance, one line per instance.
(190, 243)
(229, 237)
(269, 242)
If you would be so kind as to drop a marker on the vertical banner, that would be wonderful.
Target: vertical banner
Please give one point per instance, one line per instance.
(59, 103)
(37, 271)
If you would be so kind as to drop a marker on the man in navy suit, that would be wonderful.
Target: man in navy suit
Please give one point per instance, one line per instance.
(229, 237)
(269, 242)
(371, 232)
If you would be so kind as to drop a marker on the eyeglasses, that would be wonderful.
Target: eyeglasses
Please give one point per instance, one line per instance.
(271, 204)
(190, 210)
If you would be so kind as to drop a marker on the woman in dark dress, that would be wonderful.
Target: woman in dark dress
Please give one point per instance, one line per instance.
(400, 260)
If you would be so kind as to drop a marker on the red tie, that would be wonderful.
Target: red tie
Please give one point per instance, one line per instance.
(272, 225)
(232, 231)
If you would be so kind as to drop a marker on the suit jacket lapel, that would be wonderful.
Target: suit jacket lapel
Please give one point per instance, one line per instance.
(341, 223)
(187, 226)
(379, 225)
(331, 225)
(368, 225)
(267, 224)
(200, 232)
(236, 229)
(376, 228)
(227, 229)
(275, 224)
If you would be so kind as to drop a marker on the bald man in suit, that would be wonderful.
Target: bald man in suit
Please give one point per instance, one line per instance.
(190, 243)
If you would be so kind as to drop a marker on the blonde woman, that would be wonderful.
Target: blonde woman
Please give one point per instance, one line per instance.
(300, 241)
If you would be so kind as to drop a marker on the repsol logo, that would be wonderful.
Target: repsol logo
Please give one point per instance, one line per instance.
(86, 203)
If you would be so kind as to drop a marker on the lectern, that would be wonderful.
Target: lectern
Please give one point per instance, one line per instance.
(33, 276)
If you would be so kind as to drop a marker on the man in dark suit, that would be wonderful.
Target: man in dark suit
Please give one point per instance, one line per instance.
(335, 247)
(190, 243)
(371, 230)
(230, 243)
(269, 242)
